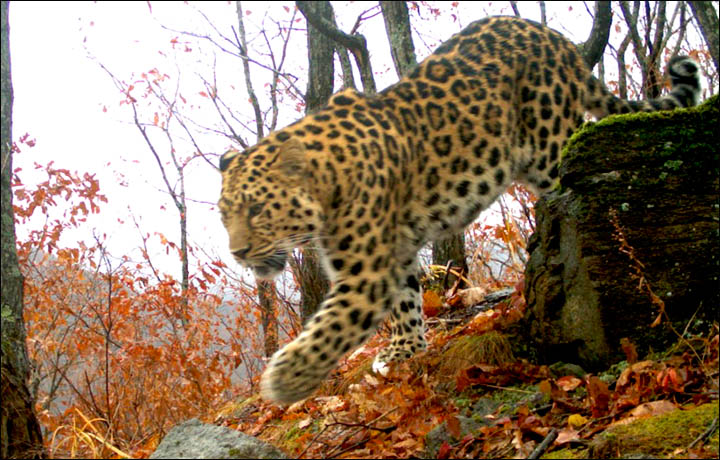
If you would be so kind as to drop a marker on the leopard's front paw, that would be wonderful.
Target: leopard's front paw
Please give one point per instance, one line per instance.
(396, 353)
(292, 374)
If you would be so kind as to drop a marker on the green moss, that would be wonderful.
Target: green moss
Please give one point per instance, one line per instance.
(673, 165)
(567, 453)
(288, 432)
(584, 137)
(652, 437)
(612, 374)
(510, 399)
(658, 436)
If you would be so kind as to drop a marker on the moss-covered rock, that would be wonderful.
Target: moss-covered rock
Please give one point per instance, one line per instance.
(658, 172)
(657, 437)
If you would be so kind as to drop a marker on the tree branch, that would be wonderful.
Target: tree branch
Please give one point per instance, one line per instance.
(594, 47)
(355, 43)
(707, 19)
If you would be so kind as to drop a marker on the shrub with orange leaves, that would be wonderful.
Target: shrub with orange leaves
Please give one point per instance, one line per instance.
(496, 244)
(119, 357)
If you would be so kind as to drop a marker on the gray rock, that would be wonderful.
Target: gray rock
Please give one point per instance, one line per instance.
(194, 439)
(561, 369)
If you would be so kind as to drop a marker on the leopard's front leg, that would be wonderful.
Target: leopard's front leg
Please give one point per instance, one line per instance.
(358, 301)
(406, 322)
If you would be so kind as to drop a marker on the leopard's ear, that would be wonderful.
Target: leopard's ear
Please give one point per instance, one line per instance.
(291, 159)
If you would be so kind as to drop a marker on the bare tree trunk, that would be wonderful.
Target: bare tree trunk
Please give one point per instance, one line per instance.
(397, 25)
(312, 281)
(451, 250)
(648, 50)
(321, 70)
(266, 289)
(355, 42)
(20, 435)
(622, 71)
(707, 19)
(266, 296)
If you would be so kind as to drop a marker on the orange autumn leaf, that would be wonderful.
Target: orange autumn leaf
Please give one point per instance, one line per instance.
(432, 304)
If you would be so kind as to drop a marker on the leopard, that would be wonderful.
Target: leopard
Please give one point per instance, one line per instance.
(370, 179)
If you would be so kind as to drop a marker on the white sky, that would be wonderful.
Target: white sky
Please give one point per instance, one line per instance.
(60, 94)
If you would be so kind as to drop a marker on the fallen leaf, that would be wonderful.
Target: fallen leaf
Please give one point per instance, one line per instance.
(566, 435)
(453, 426)
(653, 408)
(406, 444)
(472, 296)
(372, 381)
(670, 380)
(599, 396)
(569, 383)
(304, 423)
(629, 349)
(432, 304)
(646, 410)
(444, 450)
(637, 368)
(331, 404)
(577, 420)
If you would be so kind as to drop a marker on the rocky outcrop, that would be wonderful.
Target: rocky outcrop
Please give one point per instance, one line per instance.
(194, 439)
(658, 174)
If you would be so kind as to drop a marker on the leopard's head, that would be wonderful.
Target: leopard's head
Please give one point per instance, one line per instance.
(265, 204)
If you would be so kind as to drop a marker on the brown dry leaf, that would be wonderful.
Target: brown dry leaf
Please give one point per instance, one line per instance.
(304, 423)
(432, 304)
(569, 383)
(409, 443)
(357, 453)
(599, 396)
(653, 408)
(671, 379)
(372, 381)
(639, 367)
(453, 426)
(472, 296)
(545, 387)
(331, 404)
(629, 349)
(647, 410)
(566, 435)
(444, 450)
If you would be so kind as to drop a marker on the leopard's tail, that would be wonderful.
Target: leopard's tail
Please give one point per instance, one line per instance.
(685, 92)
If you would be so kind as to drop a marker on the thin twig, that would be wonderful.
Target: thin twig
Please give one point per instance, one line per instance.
(442, 320)
(366, 426)
(711, 429)
(349, 448)
(312, 441)
(507, 389)
(542, 447)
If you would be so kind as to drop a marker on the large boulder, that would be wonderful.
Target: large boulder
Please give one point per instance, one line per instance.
(658, 174)
(194, 439)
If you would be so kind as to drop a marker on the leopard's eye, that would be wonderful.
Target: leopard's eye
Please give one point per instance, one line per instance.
(255, 209)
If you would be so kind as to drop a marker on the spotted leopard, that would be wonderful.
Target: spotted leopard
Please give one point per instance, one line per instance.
(373, 178)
